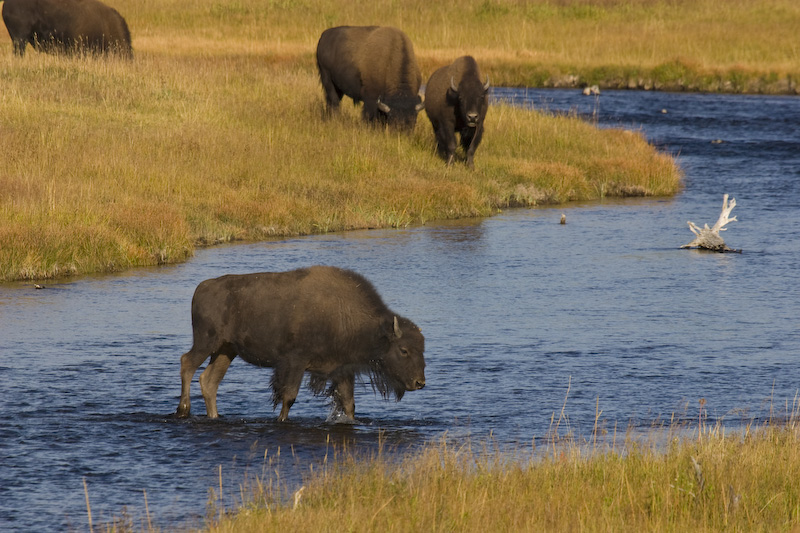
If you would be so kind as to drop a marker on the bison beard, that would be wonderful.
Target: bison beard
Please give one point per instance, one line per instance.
(380, 380)
(325, 321)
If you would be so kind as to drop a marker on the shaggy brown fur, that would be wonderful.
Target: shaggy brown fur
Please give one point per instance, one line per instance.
(323, 320)
(372, 64)
(66, 26)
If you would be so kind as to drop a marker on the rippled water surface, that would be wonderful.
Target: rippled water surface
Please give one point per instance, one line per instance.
(522, 316)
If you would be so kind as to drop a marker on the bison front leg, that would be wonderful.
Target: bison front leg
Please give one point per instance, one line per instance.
(446, 143)
(470, 139)
(210, 379)
(286, 380)
(343, 396)
(190, 362)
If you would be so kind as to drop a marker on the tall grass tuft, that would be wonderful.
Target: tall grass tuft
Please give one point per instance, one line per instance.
(672, 479)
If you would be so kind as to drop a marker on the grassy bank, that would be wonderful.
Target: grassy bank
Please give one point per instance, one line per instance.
(669, 481)
(214, 131)
(109, 165)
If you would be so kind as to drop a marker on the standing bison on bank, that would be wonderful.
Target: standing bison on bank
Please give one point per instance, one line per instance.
(456, 100)
(373, 64)
(66, 26)
(323, 320)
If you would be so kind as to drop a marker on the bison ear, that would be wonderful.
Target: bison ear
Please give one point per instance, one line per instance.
(397, 331)
(383, 107)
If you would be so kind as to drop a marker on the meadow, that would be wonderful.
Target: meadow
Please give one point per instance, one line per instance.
(214, 132)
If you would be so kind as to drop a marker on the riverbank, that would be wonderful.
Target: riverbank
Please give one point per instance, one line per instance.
(673, 479)
(214, 132)
(111, 165)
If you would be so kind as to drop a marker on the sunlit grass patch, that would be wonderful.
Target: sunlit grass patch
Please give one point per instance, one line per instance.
(171, 153)
(215, 133)
(674, 477)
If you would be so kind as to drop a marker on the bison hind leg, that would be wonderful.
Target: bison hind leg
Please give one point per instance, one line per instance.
(190, 362)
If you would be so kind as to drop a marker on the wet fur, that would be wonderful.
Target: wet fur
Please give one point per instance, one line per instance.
(325, 321)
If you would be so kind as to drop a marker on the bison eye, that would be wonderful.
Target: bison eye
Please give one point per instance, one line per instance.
(404, 351)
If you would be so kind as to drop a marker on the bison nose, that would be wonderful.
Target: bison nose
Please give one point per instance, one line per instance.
(419, 384)
(472, 118)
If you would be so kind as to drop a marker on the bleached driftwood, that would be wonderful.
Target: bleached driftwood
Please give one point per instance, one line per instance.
(709, 238)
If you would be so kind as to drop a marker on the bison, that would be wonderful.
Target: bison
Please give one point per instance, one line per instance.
(456, 100)
(323, 320)
(66, 26)
(373, 64)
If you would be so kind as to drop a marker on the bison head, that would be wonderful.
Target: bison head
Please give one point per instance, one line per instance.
(401, 367)
(400, 112)
(471, 98)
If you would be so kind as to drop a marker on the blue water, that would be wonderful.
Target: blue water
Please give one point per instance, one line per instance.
(522, 316)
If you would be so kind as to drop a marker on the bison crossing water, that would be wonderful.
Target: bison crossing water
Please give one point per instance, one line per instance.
(322, 320)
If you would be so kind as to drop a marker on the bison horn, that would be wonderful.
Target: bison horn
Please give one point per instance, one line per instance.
(419, 107)
(383, 107)
(486, 85)
(397, 331)
(453, 84)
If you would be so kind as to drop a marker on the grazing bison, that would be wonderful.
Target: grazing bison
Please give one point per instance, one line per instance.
(375, 65)
(323, 320)
(456, 100)
(66, 26)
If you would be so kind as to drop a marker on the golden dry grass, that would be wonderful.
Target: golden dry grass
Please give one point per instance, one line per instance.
(669, 480)
(110, 164)
(214, 131)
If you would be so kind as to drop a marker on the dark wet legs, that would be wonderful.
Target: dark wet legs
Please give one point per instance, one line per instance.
(286, 380)
(343, 396)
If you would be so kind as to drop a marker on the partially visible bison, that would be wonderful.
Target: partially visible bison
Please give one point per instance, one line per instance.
(323, 320)
(456, 100)
(373, 64)
(66, 26)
